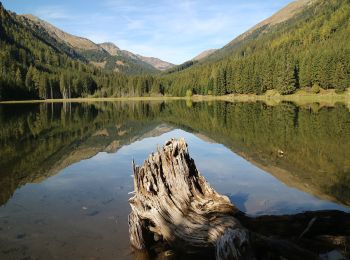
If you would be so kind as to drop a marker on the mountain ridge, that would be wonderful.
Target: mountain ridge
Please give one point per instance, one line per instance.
(70, 39)
(283, 15)
(157, 63)
(302, 46)
(36, 64)
(280, 16)
(204, 54)
(90, 49)
(110, 47)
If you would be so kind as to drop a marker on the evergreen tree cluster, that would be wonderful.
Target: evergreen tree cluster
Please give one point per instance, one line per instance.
(311, 49)
(121, 63)
(35, 66)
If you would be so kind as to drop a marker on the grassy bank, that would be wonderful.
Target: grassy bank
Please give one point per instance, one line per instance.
(90, 99)
(326, 97)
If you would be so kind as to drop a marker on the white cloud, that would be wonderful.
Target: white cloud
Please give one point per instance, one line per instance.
(52, 13)
(171, 30)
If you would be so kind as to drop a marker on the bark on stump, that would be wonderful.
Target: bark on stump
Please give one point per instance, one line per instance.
(174, 206)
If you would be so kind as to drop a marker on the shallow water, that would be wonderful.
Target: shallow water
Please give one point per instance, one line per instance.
(66, 168)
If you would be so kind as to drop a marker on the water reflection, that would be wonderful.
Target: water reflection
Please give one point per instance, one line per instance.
(65, 169)
(305, 147)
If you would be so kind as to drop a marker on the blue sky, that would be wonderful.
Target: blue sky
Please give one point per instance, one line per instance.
(174, 31)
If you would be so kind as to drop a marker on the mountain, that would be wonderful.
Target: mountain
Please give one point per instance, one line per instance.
(204, 54)
(73, 41)
(158, 64)
(110, 47)
(190, 63)
(106, 55)
(99, 54)
(283, 15)
(35, 64)
(40, 61)
(305, 45)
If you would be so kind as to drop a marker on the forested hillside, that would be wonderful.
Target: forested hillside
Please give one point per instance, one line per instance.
(305, 45)
(35, 65)
(96, 54)
(310, 49)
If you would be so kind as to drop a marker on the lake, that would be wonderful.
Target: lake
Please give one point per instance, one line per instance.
(65, 168)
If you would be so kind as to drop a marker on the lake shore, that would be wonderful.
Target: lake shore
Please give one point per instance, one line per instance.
(271, 97)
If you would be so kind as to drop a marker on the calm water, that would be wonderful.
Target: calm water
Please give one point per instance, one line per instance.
(65, 169)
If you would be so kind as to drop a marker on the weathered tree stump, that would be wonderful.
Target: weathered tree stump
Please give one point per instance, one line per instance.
(174, 206)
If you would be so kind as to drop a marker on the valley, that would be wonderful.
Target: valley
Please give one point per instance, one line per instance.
(40, 61)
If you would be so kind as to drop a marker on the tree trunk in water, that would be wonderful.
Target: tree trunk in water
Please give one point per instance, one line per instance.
(173, 206)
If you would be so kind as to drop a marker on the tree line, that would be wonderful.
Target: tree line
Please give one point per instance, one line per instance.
(34, 66)
(311, 50)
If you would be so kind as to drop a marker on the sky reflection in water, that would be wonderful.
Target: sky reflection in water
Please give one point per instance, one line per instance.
(81, 212)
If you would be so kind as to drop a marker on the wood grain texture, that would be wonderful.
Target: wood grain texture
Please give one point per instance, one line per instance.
(175, 207)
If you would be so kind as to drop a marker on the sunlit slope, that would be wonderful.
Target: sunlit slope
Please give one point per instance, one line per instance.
(304, 45)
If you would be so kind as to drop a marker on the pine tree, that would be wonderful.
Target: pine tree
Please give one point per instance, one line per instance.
(43, 86)
(29, 79)
(19, 80)
(288, 76)
(63, 86)
(340, 80)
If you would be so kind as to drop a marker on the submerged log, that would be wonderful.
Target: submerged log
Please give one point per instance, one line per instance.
(173, 206)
